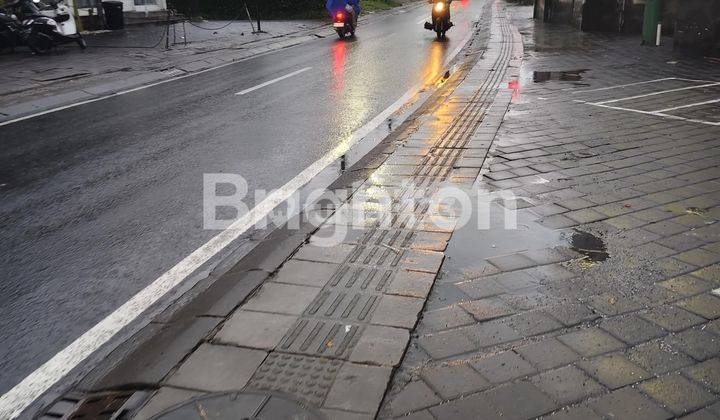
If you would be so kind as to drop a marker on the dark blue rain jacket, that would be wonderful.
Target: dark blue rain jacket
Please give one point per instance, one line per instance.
(333, 6)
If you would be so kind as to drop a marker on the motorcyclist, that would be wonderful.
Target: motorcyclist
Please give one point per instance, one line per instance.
(334, 6)
(447, 4)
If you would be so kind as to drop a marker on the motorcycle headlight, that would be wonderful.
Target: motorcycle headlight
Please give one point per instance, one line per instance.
(439, 6)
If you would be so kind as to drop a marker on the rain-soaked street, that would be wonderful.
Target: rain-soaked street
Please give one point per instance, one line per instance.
(101, 199)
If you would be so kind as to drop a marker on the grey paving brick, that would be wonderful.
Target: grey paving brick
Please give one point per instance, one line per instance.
(414, 396)
(511, 262)
(704, 414)
(255, 329)
(411, 283)
(567, 384)
(458, 409)
(516, 280)
(671, 267)
(335, 254)
(658, 357)
(558, 221)
(571, 314)
(591, 342)
(698, 257)
(519, 400)
(614, 370)
(574, 413)
(492, 333)
(696, 342)
(446, 343)
(707, 373)
(625, 222)
(446, 318)
(345, 415)
(531, 323)
(358, 388)
(305, 273)
(672, 318)
(676, 393)
(380, 345)
(430, 241)
(454, 380)
(217, 368)
(629, 404)
(397, 311)
(585, 216)
(423, 261)
(164, 399)
(282, 298)
(503, 367)
(687, 285)
(486, 309)
(481, 288)
(631, 329)
(548, 354)
(705, 305)
(711, 273)
(611, 303)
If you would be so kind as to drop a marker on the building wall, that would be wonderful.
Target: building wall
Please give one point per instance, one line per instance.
(128, 5)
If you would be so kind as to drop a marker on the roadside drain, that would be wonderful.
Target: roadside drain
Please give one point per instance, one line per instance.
(589, 245)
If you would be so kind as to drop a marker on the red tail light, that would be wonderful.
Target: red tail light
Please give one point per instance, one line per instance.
(339, 16)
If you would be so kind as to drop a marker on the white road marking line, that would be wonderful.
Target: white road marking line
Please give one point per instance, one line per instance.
(124, 92)
(686, 106)
(653, 113)
(43, 378)
(270, 82)
(625, 85)
(657, 93)
(423, 20)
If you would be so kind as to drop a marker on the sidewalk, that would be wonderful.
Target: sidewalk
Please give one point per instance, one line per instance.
(599, 305)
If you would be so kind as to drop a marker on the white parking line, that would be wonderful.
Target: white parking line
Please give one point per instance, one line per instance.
(657, 93)
(687, 106)
(43, 378)
(653, 113)
(270, 82)
(625, 85)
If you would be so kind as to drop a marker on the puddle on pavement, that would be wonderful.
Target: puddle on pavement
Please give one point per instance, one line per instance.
(486, 236)
(563, 76)
(589, 245)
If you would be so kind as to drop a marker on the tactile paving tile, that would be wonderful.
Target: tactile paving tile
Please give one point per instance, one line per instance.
(308, 378)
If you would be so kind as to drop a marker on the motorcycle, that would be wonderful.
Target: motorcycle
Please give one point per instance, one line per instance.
(12, 34)
(41, 30)
(440, 18)
(345, 22)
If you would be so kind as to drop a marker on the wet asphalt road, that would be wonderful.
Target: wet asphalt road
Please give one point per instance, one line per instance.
(101, 199)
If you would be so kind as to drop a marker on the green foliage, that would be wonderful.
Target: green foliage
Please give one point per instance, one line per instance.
(373, 5)
(269, 9)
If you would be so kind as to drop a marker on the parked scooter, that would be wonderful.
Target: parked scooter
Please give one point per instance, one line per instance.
(345, 22)
(440, 17)
(12, 33)
(43, 30)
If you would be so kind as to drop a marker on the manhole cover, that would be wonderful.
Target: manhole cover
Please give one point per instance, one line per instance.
(240, 406)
